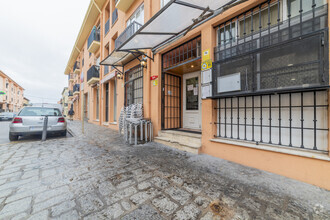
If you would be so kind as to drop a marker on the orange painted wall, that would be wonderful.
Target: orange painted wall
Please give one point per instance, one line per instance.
(313, 171)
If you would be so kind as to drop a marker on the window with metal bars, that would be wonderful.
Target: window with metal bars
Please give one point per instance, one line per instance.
(294, 119)
(271, 47)
(134, 86)
(186, 52)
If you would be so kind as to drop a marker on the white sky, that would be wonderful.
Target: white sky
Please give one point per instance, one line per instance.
(36, 39)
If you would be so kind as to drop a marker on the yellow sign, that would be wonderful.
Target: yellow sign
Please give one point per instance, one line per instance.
(206, 55)
(207, 64)
(155, 82)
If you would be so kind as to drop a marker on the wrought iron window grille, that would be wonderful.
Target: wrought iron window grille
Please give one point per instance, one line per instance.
(286, 54)
(293, 119)
(134, 85)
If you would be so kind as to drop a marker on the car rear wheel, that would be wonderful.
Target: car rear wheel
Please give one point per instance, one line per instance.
(63, 133)
(13, 137)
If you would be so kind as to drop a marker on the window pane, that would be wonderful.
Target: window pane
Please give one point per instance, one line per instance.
(273, 12)
(306, 6)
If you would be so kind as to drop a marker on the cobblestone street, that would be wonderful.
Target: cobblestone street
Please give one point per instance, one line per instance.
(97, 176)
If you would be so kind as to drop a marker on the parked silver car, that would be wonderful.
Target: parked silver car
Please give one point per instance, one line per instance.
(7, 116)
(30, 120)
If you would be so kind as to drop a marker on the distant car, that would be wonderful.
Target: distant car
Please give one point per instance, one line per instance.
(30, 120)
(7, 116)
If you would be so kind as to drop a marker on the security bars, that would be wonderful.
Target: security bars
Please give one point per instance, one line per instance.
(186, 52)
(272, 53)
(134, 86)
(293, 119)
(171, 101)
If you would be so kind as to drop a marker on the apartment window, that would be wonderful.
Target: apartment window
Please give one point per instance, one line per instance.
(138, 16)
(134, 85)
(227, 34)
(294, 6)
(245, 27)
(163, 2)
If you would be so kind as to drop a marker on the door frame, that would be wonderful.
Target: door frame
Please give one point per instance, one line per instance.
(184, 99)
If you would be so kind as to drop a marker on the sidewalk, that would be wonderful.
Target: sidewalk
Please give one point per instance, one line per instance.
(243, 192)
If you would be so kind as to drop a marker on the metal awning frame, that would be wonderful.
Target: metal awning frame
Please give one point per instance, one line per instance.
(140, 31)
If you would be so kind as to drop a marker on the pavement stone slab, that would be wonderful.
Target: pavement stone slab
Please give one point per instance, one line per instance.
(97, 176)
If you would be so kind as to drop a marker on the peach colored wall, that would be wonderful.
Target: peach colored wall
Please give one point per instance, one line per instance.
(14, 93)
(309, 170)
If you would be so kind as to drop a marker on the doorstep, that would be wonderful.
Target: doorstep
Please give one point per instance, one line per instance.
(182, 140)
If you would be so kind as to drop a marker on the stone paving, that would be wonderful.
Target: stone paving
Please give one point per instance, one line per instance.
(97, 176)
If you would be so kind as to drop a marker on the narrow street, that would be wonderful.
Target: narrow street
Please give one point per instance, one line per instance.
(97, 176)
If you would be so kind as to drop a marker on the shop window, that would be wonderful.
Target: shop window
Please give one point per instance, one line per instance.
(296, 119)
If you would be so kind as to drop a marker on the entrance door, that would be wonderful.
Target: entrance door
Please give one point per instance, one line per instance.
(191, 101)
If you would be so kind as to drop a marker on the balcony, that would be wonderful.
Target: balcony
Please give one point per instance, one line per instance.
(70, 76)
(107, 27)
(127, 33)
(76, 89)
(124, 5)
(76, 67)
(93, 75)
(114, 16)
(94, 40)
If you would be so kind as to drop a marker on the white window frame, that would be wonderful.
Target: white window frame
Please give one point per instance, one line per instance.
(133, 17)
(163, 3)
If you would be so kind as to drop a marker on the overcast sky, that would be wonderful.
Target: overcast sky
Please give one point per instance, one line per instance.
(36, 40)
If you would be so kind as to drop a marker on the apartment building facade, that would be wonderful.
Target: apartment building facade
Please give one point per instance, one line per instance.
(12, 94)
(247, 82)
(65, 101)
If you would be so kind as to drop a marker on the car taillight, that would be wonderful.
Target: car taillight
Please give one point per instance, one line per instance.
(17, 120)
(61, 120)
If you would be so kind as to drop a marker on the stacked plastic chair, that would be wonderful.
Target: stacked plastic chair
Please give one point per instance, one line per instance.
(130, 120)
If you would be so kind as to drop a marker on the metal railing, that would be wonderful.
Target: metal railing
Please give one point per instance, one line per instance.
(94, 36)
(93, 72)
(107, 27)
(127, 33)
(271, 53)
(292, 119)
(76, 65)
(114, 16)
(76, 88)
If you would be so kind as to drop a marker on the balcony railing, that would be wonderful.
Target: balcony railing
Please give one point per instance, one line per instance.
(93, 37)
(127, 33)
(76, 88)
(76, 67)
(106, 70)
(288, 55)
(93, 74)
(71, 77)
(107, 27)
(114, 16)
